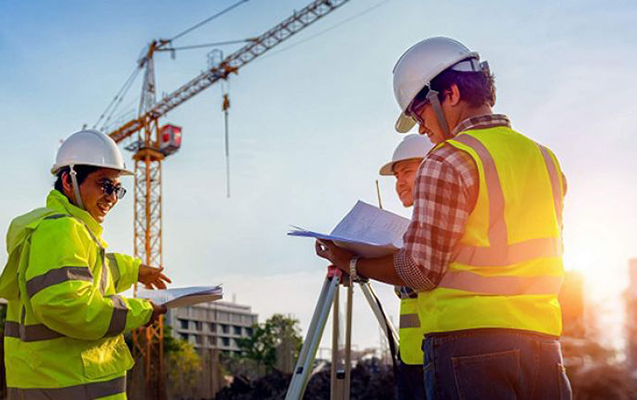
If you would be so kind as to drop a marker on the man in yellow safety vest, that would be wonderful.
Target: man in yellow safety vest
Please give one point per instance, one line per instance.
(65, 322)
(404, 164)
(484, 247)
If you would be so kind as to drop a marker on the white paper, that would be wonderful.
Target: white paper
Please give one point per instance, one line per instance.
(182, 297)
(366, 230)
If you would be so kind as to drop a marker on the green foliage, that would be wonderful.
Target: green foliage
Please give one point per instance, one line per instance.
(184, 366)
(262, 346)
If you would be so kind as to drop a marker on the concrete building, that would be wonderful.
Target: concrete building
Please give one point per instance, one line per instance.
(214, 325)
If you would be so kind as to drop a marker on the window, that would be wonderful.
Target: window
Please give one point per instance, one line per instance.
(198, 325)
(184, 336)
(237, 330)
(199, 339)
(225, 328)
(225, 341)
(212, 327)
(183, 323)
(249, 331)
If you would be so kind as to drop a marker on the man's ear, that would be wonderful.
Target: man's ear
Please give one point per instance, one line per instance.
(453, 95)
(66, 182)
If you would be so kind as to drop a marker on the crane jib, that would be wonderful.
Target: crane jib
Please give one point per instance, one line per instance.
(261, 44)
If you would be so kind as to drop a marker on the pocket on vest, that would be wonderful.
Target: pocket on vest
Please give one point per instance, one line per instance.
(109, 357)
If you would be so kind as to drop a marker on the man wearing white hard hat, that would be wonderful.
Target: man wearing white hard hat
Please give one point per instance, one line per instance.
(63, 336)
(484, 247)
(404, 165)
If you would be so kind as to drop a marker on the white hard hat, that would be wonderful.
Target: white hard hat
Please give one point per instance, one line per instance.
(420, 64)
(89, 147)
(412, 146)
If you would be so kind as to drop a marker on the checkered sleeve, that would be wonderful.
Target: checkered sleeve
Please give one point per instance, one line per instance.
(445, 192)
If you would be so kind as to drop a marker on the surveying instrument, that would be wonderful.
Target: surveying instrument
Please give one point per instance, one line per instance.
(341, 361)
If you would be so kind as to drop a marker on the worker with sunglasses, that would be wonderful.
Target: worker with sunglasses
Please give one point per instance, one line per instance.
(484, 247)
(63, 336)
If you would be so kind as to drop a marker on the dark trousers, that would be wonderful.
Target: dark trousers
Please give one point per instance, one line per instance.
(410, 382)
(494, 364)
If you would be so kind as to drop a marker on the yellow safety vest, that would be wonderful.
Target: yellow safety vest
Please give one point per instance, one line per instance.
(410, 332)
(507, 269)
(63, 334)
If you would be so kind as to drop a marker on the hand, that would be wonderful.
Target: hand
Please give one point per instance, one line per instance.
(152, 277)
(339, 257)
(158, 309)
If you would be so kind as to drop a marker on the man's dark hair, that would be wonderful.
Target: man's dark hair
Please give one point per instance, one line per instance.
(476, 88)
(82, 172)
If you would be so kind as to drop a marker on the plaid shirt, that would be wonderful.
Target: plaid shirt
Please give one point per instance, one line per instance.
(445, 193)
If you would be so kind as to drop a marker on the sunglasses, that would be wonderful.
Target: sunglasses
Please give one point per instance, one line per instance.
(109, 188)
(414, 109)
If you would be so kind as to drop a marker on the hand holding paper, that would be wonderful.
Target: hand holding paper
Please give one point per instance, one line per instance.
(182, 297)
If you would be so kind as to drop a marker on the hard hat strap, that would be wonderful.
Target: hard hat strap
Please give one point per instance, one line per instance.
(432, 96)
(76, 187)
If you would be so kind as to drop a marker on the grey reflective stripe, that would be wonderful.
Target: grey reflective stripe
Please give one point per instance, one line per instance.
(113, 267)
(104, 275)
(555, 182)
(86, 391)
(409, 321)
(57, 216)
(508, 255)
(497, 225)
(30, 333)
(500, 253)
(118, 319)
(58, 275)
(501, 285)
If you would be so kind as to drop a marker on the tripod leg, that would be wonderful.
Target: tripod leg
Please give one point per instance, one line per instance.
(348, 342)
(302, 371)
(384, 322)
(335, 386)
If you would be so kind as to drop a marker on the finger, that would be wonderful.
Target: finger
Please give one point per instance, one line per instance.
(165, 278)
(160, 285)
(148, 286)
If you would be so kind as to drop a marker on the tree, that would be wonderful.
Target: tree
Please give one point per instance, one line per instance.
(261, 347)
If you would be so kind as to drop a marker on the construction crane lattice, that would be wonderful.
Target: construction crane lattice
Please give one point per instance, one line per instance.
(148, 157)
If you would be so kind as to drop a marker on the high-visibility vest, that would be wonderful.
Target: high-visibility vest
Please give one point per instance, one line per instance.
(63, 334)
(507, 269)
(410, 332)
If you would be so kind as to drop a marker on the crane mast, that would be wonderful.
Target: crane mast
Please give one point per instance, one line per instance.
(148, 157)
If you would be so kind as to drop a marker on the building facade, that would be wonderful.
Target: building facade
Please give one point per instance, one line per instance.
(214, 325)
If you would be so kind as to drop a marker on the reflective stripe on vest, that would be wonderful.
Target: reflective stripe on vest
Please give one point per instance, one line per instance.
(86, 391)
(118, 319)
(29, 333)
(500, 253)
(114, 268)
(58, 275)
(409, 321)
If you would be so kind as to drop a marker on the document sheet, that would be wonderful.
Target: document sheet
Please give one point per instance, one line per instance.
(366, 230)
(182, 297)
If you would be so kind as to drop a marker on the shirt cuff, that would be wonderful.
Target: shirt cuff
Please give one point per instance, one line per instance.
(411, 273)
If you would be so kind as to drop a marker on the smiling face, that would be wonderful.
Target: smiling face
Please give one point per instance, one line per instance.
(94, 198)
(405, 173)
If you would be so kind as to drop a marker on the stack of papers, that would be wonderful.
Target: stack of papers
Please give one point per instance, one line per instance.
(366, 230)
(182, 297)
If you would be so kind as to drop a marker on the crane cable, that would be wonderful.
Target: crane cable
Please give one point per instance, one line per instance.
(117, 100)
(225, 107)
(205, 21)
(337, 25)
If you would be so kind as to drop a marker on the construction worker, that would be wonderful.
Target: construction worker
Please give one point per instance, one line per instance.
(484, 247)
(65, 322)
(404, 164)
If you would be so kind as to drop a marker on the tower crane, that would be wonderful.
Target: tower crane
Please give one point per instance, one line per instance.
(152, 143)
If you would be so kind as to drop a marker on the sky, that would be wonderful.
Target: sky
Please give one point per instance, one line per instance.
(311, 122)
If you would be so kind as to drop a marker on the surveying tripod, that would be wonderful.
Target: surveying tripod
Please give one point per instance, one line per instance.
(341, 363)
